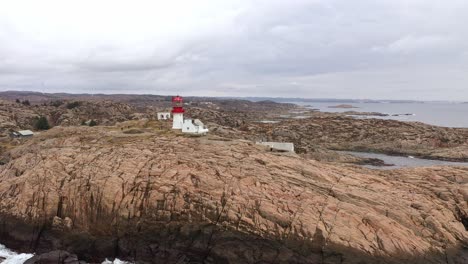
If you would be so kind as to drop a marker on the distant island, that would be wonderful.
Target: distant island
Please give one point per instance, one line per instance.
(345, 106)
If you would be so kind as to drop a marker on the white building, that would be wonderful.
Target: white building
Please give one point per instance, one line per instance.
(177, 112)
(188, 125)
(164, 115)
(22, 133)
(194, 127)
(279, 146)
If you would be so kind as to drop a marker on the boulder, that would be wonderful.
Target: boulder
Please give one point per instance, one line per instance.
(54, 257)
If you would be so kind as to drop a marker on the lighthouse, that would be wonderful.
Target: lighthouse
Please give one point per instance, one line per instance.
(177, 112)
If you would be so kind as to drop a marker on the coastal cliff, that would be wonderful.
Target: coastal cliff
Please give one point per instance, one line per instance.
(166, 198)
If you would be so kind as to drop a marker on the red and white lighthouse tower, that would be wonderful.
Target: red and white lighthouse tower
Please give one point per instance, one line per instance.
(177, 112)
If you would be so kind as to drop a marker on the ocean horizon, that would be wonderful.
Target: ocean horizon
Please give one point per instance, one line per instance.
(445, 114)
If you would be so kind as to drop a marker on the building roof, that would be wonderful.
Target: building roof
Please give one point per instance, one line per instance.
(25, 132)
(177, 99)
(198, 122)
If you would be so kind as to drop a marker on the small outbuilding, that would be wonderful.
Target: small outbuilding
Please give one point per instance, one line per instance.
(194, 127)
(22, 133)
(164, 115)
(279, 146)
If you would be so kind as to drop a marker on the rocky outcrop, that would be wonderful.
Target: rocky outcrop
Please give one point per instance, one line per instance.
(104, 112)
(97, 192)
(14, 116)
(337, 132)
(54, 257)
(74, 109)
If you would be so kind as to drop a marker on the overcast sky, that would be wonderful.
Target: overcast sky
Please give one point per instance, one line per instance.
(378, 49)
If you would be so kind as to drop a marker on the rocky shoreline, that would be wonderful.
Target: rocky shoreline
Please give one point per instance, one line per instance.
(201, 244)
(100, 193)
(336, 132)
(130, 188)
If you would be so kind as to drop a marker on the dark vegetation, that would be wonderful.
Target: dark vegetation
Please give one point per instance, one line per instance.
(42, 123)
(56, 103)
(72, 105)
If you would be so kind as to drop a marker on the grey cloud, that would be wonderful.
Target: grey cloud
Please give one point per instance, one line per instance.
(109, 66)
(394, 49)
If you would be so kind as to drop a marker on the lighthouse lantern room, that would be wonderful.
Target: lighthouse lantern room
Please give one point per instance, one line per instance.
(177, 112)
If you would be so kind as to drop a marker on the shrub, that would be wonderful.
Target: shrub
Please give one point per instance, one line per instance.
(42, 123)
(92, 123)
(56, 103)
(73, 105)
(26, 102)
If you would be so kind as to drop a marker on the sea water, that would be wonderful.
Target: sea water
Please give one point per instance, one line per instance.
(445, 114)
(398, 162)
(12, 257)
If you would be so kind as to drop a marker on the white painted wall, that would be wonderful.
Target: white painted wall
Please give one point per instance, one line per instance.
(177, 120)
(164, 115)
(194, 127)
